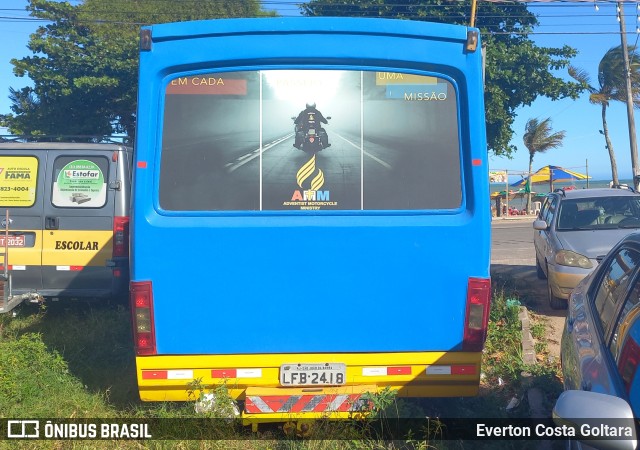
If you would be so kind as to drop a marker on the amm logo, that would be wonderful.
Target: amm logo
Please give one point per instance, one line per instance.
(314, 179)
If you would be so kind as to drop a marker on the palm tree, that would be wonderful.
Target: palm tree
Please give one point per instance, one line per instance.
(538, 138)
(612, 86)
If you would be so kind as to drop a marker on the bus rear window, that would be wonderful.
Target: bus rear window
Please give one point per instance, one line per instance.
(323, 140)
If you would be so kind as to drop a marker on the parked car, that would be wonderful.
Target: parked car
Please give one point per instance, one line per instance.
(575, 229)
(600, 350)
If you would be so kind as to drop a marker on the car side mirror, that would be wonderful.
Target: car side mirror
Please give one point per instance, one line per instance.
(586, 411)
(540, 225)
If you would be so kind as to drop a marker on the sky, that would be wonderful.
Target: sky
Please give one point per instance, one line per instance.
(580, 25)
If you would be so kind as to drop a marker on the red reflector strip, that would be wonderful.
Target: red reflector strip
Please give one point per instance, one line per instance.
(399, 370)
(460, 369)
(224, 373)
(154, 374)
(476, 162)
(142, 164)
(76, 268)
(463, 370)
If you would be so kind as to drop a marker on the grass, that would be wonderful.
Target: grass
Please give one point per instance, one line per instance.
(76, 361)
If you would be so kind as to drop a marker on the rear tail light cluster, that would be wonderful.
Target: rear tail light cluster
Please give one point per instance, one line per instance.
(477, 314)
(628, 363)
(144, 337)
(121, 236)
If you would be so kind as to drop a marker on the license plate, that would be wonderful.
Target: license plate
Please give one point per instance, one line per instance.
(313, 374)
(312, 131)
(14, 241)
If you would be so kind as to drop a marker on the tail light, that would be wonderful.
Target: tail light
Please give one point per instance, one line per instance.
(628, 363)
(477, 314)
(144, 336)
(121, 236)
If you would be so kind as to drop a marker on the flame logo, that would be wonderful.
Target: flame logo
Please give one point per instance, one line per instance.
(306, 171)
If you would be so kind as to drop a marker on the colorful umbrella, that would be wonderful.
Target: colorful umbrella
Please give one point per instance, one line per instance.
(551, 174)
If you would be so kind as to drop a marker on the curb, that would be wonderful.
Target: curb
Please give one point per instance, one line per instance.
(528, 345)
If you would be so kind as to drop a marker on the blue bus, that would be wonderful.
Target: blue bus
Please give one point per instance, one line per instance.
(311, 215)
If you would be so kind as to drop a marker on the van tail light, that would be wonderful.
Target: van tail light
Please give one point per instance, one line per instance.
(628, 363)
(121, 236)
(144, 336)
(477, 314)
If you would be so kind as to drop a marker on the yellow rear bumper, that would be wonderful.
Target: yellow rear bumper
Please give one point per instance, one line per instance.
(420, 374)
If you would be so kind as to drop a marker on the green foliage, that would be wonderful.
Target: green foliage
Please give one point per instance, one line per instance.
(31, 375)
(379, 402)
(502, 358)
(215, 402)
(517, 71)
(612, 85)
(540, 137)
(85, 62)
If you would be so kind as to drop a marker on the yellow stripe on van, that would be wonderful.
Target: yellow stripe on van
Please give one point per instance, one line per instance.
(76, 248)
(25, 256)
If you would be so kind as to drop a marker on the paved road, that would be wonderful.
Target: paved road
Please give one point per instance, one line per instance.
(513, 262)
(512, 242)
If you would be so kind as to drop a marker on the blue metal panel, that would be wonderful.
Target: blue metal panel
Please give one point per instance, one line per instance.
(356, 281)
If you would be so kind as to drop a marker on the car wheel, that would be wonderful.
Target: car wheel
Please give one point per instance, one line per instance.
(539, 271)
(555, 302)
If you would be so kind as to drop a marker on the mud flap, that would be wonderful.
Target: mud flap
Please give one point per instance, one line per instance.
(264, 405)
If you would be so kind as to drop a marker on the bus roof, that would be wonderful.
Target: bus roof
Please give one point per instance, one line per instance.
(308, 25)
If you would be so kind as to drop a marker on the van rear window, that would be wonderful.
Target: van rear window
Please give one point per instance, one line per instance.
(80, 182)
(310, 140)
(18, 181)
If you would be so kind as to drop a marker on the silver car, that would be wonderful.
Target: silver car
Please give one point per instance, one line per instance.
(600, 349)
(575, 229)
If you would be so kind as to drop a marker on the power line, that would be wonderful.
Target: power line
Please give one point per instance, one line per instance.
(542, 10)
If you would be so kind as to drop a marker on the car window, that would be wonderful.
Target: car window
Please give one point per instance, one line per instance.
(548, 215)
(543, 211)
(599, 212)
(613, 284)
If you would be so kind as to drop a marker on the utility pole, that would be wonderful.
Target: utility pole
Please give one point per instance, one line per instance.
(474, 7)
(632, 124)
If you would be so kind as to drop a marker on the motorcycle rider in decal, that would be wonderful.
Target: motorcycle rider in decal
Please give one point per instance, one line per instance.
(310, 118)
